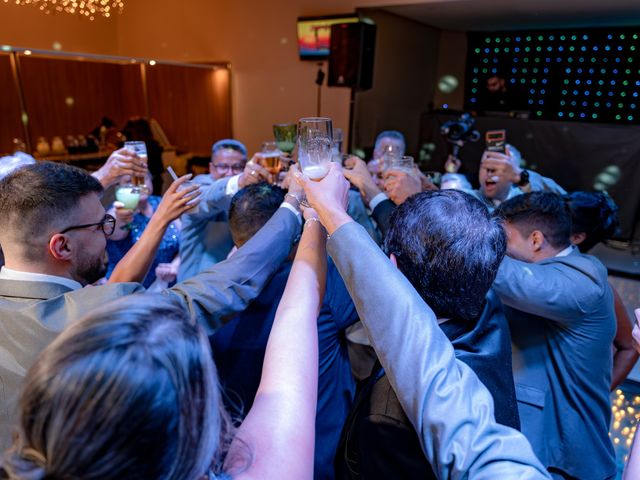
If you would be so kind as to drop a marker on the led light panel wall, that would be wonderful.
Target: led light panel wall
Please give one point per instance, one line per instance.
(591, 75)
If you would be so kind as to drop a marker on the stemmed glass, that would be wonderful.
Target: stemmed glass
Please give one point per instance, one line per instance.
(315, 137)
(285, 136)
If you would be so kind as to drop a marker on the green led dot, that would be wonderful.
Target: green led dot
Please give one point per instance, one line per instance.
(593, 60)
(475, 80)
(595, 115)
(618, 117)
(533, 80)
(564, 92)
(572, 114)
(635, 36)
(600, 82)
(508, 39)
(562, 37)
(571, 49)
(570, 59)
(632, 48)
(566, 82)
(496, 50)
(563, 103)
(488, 40)
(528, 39)
(597, 104)
(599, 94)
(537, 60)
(535, 70)
(474, 90)
(625, 83)
(486, 60)
(525, 70)
(497, 40)
(620, 105)
(506, 50)
(604, 70)
(477, 50)
(573, 37)
(630, 117)
(539, 113)
(527, 49)
(622, 37)
(540, 38)
(522, 81)
(627, 71)
(538, 49)
(630, 60)
(485, 70)
(623, 94)
(526, 60)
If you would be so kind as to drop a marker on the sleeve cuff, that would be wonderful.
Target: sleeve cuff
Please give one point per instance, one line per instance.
(377, 200)
(293, 209)
(232, 185)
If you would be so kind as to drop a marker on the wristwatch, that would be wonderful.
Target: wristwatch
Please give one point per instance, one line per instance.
(524, 178)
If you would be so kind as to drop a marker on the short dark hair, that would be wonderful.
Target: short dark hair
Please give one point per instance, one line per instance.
(449, 247)
(595, 214)
(543, 211)
(35, 195)
(229, 143)
(251, 208)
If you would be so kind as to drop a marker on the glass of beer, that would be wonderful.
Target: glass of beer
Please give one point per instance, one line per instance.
(315, 139)
(140, 149)
(270, 159)
(404, 164)
(285, 135)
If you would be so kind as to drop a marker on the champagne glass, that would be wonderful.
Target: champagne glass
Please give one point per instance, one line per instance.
(270, 159)
(140, 149)
(315, 137)
(285, 135)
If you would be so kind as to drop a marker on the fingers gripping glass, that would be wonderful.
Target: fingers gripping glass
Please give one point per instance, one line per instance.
(107, 225)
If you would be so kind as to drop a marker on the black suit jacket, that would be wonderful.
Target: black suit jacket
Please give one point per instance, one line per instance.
(378, 440)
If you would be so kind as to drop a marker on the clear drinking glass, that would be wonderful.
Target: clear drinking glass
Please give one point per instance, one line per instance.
(404, 163)
(128, 194)
(285, 135)
(270, 159)
(315, 137)
(140, 149)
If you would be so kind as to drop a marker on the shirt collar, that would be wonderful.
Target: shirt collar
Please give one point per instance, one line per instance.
(566, 251)
(9, 274)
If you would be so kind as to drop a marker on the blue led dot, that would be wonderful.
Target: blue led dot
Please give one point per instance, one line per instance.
(575, 92)
(532, 91)
(517, 39)
(563, 103)
(635, 94)
(549, 49)
(544, 81)
(517, 49)
(588, 82)
(530, 102)
(586, 92)
(473, 100)
(595, 49)
(585, 104)
(560, 114)
(582, 115)
(585, 37)
(584, 49)
(608, 104)
(607, 48)
(564, 92)
(577, 82)
(513, 80)
(561, 49)
(541, 102)
(613, 82)
(591, 70)
(542, 92)
(618, 59)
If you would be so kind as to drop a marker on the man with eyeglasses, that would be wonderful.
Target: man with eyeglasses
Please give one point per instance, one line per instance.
(53, 230)
(205, 238)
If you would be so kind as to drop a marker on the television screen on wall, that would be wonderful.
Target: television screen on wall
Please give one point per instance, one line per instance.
(314, 35)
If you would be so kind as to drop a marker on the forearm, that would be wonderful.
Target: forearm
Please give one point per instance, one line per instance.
(626, 356)
(136, 263)
(623, 362)
(229, 286)
(280, 425)
(449, 407)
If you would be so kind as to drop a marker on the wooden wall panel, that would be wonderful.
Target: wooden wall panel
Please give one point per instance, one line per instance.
(69, 97)
(10, 114)
(192, 104)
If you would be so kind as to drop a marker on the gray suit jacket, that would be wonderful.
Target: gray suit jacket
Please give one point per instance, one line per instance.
(560, 312)
(205, 238)
(33, 313)
(449, 407)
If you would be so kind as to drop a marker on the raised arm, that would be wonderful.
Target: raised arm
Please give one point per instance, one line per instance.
(135, 264)
(449, 407)
(548, 291)
(229, 286)
(279, 428)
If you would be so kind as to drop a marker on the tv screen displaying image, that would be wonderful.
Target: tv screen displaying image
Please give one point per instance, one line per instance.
(314, 35)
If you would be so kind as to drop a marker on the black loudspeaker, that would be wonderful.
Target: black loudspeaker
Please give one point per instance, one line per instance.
(351, 55)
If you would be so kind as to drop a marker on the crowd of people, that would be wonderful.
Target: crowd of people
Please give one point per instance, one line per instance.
(368, 325)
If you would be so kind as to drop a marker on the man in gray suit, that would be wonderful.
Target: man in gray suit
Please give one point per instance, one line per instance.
(53, 230)
(560, 310)
(450, 409)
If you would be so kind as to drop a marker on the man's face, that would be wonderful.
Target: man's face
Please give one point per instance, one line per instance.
(495, 84)
(518, 246)
(385, 143)
(88, 244)
(376, 168)
(493, 186)
(226, 163)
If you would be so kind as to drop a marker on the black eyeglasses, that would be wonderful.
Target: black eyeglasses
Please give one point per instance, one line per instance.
(222, 167)
(107, 225)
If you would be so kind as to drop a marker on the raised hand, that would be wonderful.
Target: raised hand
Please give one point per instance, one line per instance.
(400, 185)
(120, 163)
(358, 174)
(177, 201)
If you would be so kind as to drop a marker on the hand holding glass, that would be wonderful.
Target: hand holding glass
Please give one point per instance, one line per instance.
(315, 137)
